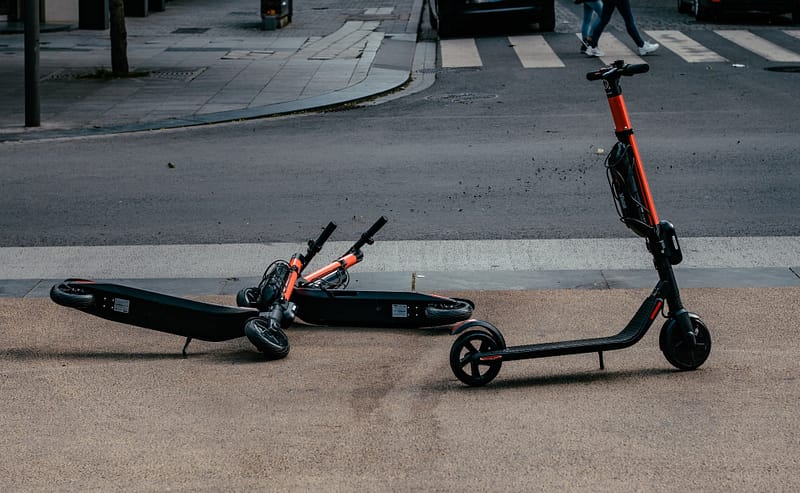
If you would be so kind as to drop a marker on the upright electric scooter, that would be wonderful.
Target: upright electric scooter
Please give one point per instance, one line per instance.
(480, 350)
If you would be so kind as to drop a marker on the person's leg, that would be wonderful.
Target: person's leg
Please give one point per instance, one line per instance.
(586, 25)
(624, 7)
(590, 22)
(605, 17)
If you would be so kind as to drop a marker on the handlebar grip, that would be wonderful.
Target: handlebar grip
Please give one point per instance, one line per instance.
(636, 68)
(381, 222)
(326, 233)
(366, 236)
(315, 246)
(598, 75)
(617, 69)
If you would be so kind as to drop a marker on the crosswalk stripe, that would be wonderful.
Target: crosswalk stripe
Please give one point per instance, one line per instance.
(685, 47)
(379, 11)
(759, 46)
(534, 52)
(457, 53)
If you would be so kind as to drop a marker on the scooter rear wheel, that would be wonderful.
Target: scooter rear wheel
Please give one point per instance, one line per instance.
(268, 337)
(469, 370)
(70, 294)
(678, 351)
(247, 297)
(449, 312)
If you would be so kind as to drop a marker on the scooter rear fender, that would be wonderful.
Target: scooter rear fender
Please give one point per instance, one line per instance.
(480, 324)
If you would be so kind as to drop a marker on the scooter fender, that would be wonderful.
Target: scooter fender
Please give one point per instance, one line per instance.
(481, 324)
(667, 326)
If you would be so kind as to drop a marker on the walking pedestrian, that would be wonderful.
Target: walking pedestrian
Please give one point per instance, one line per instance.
(592, 9)
(624, 7)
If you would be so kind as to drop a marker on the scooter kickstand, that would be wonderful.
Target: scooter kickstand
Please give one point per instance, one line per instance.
(599, 353)
(186, 347)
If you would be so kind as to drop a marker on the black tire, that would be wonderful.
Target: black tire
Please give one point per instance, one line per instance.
(271, 285)
(445, 22)
(700, 12)
(70, 294)
(268, 337)
(548, 20)
(476, 373)
(449, 311)
(796, 13)
(677, 350)
(247, 297)
(431, 17)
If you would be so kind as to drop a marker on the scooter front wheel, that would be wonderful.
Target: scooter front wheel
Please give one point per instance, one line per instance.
(466, 367)
(70, 294)
(678, 351)
(268, 337)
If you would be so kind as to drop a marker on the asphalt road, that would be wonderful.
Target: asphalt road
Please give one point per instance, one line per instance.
(492, 152)
(439, 171)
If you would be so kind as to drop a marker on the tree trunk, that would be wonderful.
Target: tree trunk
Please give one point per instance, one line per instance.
(119, 37)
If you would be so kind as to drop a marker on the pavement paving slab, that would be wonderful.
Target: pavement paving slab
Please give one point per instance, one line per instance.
(202, 61)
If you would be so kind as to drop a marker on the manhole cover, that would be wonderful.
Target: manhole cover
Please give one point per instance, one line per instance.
(190, 30)
(462, 97)
(789, 69)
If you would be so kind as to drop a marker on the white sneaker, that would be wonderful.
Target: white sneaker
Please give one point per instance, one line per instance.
(594, 51)
(648, 47)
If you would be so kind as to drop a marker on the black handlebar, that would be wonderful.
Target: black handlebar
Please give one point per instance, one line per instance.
(366, 237)
(617, 69)
(314, 246)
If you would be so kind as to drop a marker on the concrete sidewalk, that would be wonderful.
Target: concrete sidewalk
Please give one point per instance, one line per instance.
(90, 405)
(209, 61)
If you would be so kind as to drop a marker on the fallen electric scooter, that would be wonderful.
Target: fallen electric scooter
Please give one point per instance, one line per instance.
(317, 298)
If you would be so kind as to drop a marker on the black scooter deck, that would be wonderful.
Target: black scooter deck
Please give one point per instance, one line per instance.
(165, 313)
(630, 335)
(354, 308)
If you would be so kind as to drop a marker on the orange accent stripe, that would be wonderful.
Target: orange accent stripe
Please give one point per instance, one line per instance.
(622, 123)
(492, 358)
(294, 268)
(347, 261)
(322, 272)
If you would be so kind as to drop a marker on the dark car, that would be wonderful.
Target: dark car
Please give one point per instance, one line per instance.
(709, 9)
(447, 14)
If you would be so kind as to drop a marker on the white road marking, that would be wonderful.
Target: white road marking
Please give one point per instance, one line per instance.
(459, 53)
(796, 34)
(534, 52)
(759, 46)
(685, 47)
